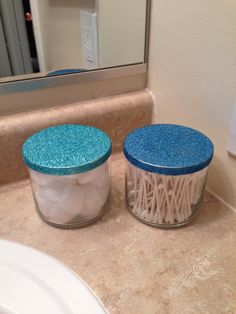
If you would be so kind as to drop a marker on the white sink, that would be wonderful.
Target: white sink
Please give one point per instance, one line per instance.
(33, 282)
(5, 310)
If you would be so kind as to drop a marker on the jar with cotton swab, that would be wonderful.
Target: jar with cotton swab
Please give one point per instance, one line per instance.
(166, 172)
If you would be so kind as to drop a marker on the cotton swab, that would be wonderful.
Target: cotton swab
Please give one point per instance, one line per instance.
(162, 199)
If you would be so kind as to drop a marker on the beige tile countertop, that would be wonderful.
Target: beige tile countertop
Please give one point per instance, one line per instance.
(135, 268)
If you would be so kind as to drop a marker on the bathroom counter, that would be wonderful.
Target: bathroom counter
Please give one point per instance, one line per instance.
(132, 267)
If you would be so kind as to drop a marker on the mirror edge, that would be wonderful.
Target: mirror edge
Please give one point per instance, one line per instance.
(100, 74)
(68, 79)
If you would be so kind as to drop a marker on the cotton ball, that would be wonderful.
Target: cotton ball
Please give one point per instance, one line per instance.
(55, 191)
(102, 181)
(61, 199)
(94, 202)
(45, 179)
(69, 179)
(44, 205)
(84, 178)
(105, 189)
(73, 203)
(57, 215)
(53, 200)
(92, 175)
(39, 178)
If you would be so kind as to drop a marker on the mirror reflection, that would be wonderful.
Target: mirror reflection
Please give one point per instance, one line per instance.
(51, 37)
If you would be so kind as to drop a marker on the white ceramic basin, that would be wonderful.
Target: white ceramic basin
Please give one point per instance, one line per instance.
(31, 282)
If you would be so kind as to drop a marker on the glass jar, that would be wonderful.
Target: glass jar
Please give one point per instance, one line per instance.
(161, 200)
(70, 174)
(166, 172)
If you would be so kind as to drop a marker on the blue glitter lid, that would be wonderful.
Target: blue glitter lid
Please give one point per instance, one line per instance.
(168, 149)
(66, 149)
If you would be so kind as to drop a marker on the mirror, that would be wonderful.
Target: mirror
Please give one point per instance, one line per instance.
(43, 38)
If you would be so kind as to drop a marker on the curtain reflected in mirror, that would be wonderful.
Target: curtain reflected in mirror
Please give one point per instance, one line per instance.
(54, 37)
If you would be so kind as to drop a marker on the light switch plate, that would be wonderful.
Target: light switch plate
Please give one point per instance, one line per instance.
(89, 39)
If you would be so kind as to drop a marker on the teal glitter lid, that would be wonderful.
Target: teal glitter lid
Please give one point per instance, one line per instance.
(66, 149)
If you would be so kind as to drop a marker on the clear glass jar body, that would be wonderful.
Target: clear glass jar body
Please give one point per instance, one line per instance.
(72, 201)
(162, 200)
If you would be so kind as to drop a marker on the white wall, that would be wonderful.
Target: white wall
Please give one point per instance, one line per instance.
(121, 31)
(64, 32)
(121, 28)
(193, 75)
(57, 22)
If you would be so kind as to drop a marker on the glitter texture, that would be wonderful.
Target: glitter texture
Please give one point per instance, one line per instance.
(66, 149)
(168, 149)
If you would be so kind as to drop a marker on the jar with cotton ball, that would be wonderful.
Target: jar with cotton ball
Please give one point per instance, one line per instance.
(166, 171)
(70, 174)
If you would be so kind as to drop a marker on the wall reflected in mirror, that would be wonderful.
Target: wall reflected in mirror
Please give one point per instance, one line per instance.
(50, 37)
